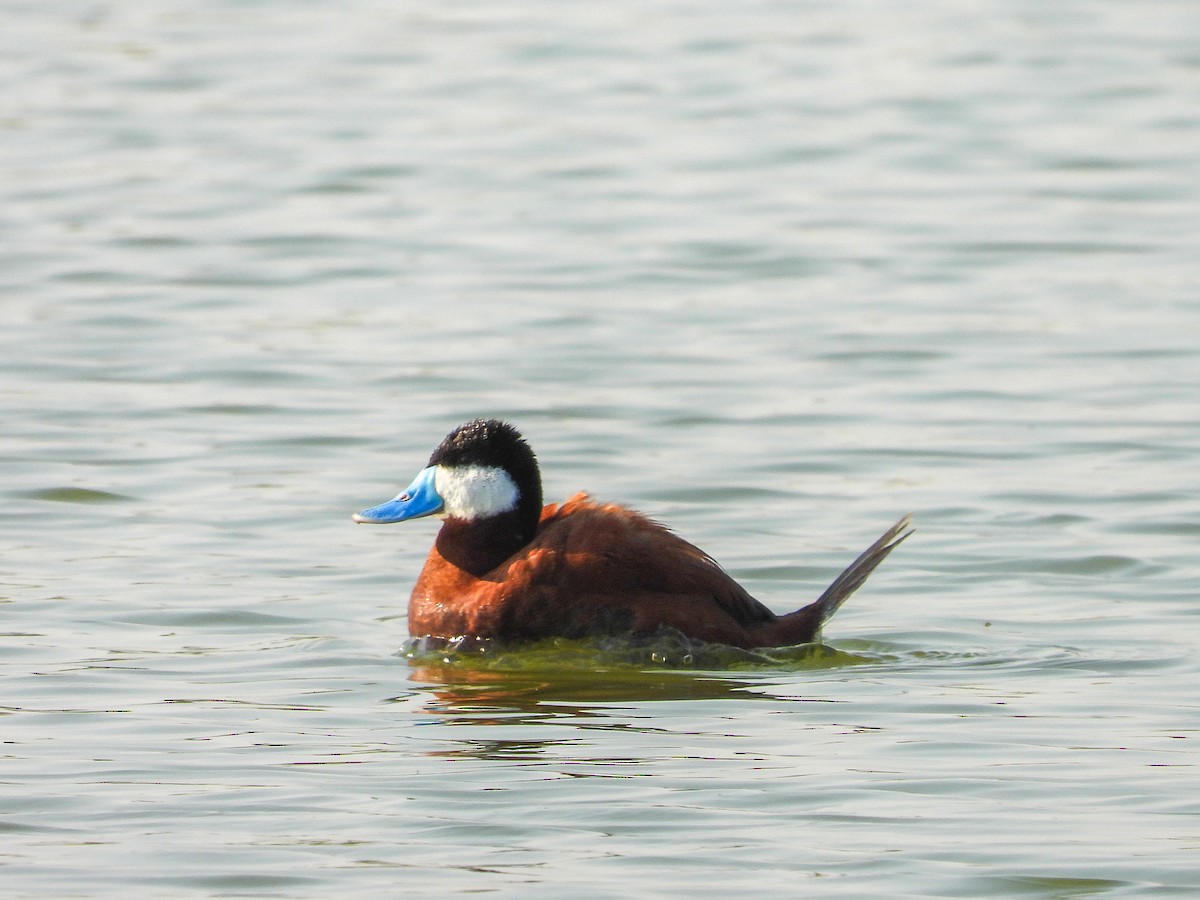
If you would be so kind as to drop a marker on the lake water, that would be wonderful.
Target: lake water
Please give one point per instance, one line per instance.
(774, 273)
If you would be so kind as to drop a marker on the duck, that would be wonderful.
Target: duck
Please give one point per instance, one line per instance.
(504, 568)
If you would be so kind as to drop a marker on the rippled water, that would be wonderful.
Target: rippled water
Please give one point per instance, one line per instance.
(773, 273)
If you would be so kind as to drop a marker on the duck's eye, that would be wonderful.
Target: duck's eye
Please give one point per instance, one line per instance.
(404, 498)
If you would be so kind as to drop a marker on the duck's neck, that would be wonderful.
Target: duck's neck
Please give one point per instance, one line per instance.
(478, 546)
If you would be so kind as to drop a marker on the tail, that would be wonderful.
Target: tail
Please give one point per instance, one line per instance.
(805, 624)
(856, 573)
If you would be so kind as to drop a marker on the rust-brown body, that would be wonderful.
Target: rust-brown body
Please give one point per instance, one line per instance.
(597, 569)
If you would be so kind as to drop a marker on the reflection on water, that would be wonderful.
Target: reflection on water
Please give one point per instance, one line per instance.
(478, 683)
(457, 689)
(565, 701)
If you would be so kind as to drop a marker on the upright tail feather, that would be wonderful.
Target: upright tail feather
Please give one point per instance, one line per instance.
(856, 573)
(805, 624)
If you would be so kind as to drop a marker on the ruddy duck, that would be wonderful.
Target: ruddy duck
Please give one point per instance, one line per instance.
(505, 568)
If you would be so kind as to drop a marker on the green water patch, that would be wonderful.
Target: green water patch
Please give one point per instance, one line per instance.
(666, 650)
(1050, 886)
(474, 677)
(75, 495)
(562, 676)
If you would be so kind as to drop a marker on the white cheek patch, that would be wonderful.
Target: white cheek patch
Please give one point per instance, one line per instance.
(475, 492)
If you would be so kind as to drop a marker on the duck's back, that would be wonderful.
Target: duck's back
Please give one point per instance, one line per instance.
(591, 569)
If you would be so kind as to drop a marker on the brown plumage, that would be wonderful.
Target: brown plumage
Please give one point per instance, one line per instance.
(580, 568)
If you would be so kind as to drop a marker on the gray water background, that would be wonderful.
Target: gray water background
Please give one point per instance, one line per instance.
(774, 273)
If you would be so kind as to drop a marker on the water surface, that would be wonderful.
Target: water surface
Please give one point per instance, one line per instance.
(774, 274)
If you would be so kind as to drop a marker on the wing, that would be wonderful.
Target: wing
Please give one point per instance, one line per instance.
(610, 557)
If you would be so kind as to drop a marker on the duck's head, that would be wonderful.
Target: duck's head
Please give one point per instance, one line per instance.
(482, 471)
